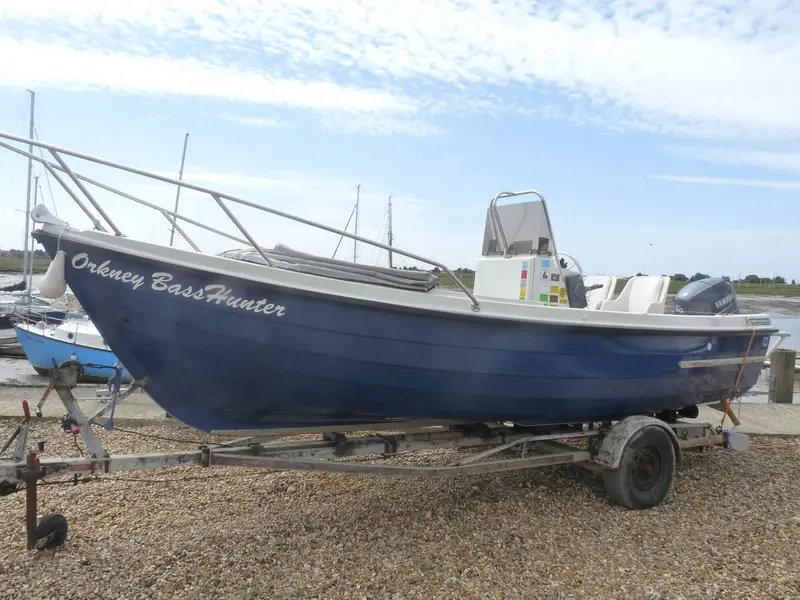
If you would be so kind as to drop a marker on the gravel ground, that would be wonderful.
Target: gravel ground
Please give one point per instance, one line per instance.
(729, 529)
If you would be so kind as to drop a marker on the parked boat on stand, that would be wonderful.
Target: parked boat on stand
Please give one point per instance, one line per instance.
(303, 342)
(264, 342)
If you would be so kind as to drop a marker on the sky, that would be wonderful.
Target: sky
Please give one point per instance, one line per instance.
(664, 135)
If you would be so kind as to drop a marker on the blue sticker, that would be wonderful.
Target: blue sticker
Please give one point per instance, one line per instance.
(545, 264)
(525, 264)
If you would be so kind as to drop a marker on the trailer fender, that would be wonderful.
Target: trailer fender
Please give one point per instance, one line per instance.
(613, 443)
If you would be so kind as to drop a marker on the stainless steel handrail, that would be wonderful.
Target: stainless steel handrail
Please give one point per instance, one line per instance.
(218, 196)
(498, 226)
(168, 214)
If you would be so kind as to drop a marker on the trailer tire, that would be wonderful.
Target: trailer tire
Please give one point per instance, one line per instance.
(645, 472)
(55, 525)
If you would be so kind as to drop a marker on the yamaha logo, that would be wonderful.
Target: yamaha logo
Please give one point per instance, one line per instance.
(723, 301)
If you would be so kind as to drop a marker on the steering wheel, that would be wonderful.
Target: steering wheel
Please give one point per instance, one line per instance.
(574, 262)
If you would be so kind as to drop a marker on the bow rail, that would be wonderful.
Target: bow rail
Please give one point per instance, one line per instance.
(60, 166)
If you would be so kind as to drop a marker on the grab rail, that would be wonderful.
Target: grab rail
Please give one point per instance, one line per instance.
(781, 336)
(171, 216)
(498, 226)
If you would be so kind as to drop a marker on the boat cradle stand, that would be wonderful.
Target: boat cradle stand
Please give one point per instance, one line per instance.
(637, 456)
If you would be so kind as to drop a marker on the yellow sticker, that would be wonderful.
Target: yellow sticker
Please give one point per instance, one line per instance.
(562, 292)
(563, 301)
(553, 289)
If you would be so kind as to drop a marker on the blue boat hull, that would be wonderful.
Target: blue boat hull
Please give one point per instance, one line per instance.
(41, 351)
(327, 362)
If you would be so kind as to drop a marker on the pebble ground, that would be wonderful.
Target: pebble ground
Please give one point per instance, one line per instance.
(729, 529)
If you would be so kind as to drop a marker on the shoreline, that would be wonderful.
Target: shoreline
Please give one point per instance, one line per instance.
(770, 304)
(787, 307)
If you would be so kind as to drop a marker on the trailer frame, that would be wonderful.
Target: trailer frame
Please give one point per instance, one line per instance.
(639, 446)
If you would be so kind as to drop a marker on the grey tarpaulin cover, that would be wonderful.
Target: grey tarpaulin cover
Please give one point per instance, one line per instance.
(283, 257)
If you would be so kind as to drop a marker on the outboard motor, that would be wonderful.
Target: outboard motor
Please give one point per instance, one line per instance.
(711, 296)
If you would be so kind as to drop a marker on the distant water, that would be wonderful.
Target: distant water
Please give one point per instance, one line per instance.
(791, 324)
(12, 278)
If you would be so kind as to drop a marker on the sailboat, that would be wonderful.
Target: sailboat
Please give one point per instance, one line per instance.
(290, 341)
(68, 336)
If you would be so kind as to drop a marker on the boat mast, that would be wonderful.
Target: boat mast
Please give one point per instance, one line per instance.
(28, 200)
(355, 242)
(178, 193)
(30, 271)
(390, 230)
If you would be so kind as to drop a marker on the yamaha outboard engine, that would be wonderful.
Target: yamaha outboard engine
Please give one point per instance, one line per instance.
(711, 296)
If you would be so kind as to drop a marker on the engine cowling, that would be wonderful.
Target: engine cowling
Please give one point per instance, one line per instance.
(710, 296)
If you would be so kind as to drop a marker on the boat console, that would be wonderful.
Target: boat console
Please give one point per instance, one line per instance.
(519, 259)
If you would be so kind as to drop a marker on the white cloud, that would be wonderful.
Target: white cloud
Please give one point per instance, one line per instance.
(72, 69)
(776, 160)
(266, 122)
(680, 66)
(775, 184)
(378, 125)
(714, 69)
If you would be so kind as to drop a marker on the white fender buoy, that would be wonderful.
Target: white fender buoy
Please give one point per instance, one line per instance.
(53, 284)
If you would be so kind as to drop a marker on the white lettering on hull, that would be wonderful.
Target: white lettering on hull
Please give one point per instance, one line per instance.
(163, 282)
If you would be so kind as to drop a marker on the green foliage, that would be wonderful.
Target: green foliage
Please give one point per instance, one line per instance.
(14, 253)
(741, 287)
(15, 265)
(770, 288)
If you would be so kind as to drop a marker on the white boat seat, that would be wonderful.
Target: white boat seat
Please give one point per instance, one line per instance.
(596, 297)
(641, 294)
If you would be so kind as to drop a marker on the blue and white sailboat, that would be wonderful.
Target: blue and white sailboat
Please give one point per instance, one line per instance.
(274, 339)
(74, 339)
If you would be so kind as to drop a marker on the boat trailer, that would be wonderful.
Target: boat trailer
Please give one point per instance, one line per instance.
(637, 456)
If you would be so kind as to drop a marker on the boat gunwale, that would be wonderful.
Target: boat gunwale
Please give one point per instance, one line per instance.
(292, 282)
(24, 327)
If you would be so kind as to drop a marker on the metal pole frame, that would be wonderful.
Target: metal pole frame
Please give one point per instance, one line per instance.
(57, 151)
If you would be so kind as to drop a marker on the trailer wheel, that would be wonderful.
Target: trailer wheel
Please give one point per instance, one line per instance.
(645, 472)
(51, 531)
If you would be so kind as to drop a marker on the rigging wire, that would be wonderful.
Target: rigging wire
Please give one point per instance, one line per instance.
(341, 237)
(46, 172)
(379, 225)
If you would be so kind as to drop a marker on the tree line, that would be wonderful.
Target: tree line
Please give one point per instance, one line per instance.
(752, 279)
(14, 253)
